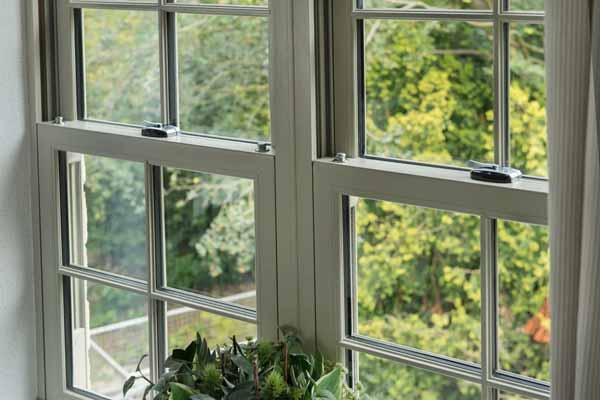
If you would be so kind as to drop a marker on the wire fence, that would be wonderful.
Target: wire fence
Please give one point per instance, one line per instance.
(114, 349)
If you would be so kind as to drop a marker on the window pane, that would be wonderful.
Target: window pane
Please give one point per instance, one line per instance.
(418, 278)
(524, 269)
(526, 5)
(122, 74)
(183, 323)
(119, 1)
(107, 214)
(528, 99)
(429, 4)
(223, 75)
(210, 235)
(110, 334)
(227, 2)
(512, 396)
(429, 94)
(384, 380)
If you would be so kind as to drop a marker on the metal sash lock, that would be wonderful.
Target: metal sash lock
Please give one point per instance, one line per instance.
(158, 130)
(493, 173)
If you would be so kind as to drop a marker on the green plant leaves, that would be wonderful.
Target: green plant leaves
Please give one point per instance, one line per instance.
(203, 353)
(147, 391)
(324, 395)
(243, 364)
(201, 397)
(128, 384)
(180, 391)
(243, 391)
(247, 371)
(329, 386)
(318, 366)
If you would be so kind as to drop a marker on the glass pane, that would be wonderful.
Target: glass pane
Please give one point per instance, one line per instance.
(528, 99)
(119, 1)
(263, 3)
(418, 278)
(385, 380)
(512, 396)
(122, 71)
(429, 94)
(526, 5)
(430, 4)
(210, 235)
(183, 323)
(224, 75)
(110, 335)
(107, 214)
(524, 269)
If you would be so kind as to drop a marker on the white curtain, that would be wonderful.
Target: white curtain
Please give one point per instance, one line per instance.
(573, 77)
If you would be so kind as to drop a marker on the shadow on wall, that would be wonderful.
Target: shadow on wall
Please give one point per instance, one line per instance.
(17, 318)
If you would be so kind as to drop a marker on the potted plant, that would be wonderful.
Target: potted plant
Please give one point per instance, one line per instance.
(249, 370)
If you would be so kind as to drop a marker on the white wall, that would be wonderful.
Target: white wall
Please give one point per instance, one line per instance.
(17, 318)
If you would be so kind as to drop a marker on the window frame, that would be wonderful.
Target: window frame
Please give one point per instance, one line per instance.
(70, 21)
(195, 154)
(293, 79)
(419, 184)
(424, 186)
(292, 73)
(303, 60)
(349, 67)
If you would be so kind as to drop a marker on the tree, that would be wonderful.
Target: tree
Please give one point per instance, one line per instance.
(429, 98)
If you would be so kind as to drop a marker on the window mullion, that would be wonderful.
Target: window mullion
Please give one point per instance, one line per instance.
(65, 34)
(361, 94)
(292, 75)
(489, 229)
(501, 87)
(153, 249)
(79, 48)
(350, 260)
(156, 249)
(168, 65)
(345, 83)
(497, 95)
(489, 293)
(504, 91)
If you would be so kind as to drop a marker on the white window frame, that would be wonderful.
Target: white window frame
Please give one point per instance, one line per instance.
(283, 260)
(347, 69)
(430, 187)
(419, 184)
(194, 154)
(299, 188)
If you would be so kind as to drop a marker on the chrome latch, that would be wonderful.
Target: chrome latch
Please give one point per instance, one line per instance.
(263, 147)
(158, 130)
(493, 173)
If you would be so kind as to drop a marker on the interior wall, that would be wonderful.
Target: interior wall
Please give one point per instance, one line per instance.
(17, 317)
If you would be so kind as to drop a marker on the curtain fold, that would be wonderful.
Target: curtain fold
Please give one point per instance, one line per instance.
(572, 68)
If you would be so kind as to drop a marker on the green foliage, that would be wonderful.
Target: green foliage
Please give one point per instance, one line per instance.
(383, 379)
(122, 67)
(429, 98)
(415, 286)
(116, 216)
(275, 387)
(210, 231)
(429, 90)
(244, 371)
(223, 73)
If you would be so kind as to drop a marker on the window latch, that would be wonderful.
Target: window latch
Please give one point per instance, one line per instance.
(158, 130)
(493, 173)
